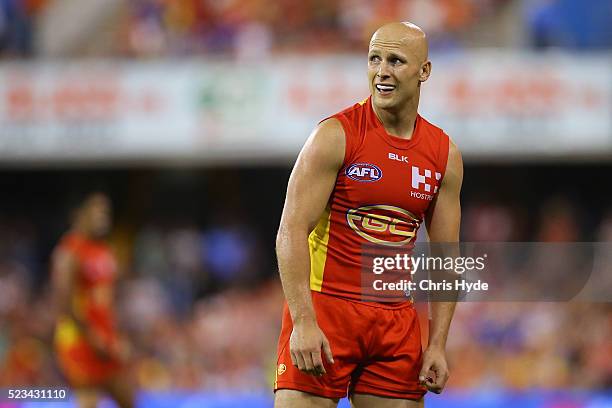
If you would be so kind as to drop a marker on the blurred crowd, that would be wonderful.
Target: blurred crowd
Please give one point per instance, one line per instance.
(254, 28)
(202, 314)
(18, 26)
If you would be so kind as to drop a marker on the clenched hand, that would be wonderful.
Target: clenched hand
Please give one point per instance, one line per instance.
(305, 345)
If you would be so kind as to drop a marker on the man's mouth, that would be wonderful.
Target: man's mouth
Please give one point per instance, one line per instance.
(385, 89)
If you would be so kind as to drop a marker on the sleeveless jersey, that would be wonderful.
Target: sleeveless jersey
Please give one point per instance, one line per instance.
(92, 297)
(382, 192)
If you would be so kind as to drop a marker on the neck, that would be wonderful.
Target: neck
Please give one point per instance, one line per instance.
(81, 230)
(399, 121)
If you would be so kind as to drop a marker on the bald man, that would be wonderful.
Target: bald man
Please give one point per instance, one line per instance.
(366, 178)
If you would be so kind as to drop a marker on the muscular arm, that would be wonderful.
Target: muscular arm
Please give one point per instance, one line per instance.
(63, 271)
(443, 221)
(310, 185)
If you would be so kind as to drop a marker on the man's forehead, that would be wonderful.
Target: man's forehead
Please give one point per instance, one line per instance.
(397, 47)
(388, 44)
(386, 40)
(406, 38)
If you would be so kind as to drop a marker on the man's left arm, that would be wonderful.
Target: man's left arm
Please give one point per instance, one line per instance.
(443, 220)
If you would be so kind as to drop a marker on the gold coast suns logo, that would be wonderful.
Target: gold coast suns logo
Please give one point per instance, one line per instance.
(383, 224)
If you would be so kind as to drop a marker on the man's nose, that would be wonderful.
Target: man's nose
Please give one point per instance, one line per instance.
(383, 70)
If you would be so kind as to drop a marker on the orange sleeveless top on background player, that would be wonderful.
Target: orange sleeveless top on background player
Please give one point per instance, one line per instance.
(380, 198)
(91, 300)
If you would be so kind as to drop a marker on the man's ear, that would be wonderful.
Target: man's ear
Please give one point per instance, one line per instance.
(425, 71)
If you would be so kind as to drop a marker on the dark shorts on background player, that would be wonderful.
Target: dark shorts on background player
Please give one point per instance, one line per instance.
(376, 349)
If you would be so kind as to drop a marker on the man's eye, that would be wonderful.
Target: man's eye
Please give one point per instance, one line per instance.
(375, 58)
(395, 61)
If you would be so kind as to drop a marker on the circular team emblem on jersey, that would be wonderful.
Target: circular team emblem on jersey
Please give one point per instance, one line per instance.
(281, 369)
(383, 224)
(363, 172)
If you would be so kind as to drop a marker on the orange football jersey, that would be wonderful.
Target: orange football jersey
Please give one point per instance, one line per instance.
(381, 195)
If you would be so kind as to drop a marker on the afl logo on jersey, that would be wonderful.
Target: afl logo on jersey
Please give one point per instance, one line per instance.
(363, 172)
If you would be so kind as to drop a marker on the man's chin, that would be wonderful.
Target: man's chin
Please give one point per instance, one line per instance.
(383, 102)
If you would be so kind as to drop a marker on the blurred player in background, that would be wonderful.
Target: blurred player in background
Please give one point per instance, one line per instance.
(369, 174)
(90, 352)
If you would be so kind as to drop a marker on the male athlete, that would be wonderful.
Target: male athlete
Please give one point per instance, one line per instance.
(90, 353)
(369, 175)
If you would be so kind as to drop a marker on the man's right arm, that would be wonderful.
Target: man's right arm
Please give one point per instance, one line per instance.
(310, 186)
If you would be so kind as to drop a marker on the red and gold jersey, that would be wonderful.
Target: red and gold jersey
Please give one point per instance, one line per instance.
(96, 272)
(382, 191)
(91, 300)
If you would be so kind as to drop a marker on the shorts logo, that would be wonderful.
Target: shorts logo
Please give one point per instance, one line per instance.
(363, 172)
(281, 369)
(383, 224)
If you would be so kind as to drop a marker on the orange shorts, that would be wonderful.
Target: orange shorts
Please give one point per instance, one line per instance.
(79, 363)
(376, 350)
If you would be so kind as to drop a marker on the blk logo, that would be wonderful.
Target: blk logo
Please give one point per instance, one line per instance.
(365, 172)
(397, 157)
